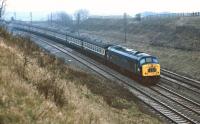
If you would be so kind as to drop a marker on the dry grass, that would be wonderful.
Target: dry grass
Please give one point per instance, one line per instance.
(180, 33)
(38, 88)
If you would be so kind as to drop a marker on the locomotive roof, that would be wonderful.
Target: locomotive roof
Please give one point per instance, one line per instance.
(128, 52)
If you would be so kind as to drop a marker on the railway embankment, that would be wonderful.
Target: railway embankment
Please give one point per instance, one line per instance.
(39, 88)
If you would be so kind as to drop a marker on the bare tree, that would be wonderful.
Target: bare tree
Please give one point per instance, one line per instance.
(83, 14)
(66, 18)
(80, 16)
(61, 18)
(2, 7)
(138, 17)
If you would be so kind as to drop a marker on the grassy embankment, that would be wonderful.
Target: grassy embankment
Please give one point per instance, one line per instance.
(39, 88)
(175, 41)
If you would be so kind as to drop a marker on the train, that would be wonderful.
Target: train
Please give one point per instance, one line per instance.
(138, 65)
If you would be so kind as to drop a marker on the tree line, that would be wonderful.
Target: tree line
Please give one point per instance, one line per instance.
(66, 19)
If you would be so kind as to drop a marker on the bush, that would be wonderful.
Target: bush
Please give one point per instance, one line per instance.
(52, 90)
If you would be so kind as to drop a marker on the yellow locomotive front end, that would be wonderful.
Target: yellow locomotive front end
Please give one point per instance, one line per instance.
(150, 70)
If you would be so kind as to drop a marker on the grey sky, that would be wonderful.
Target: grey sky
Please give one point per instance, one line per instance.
(103, 7)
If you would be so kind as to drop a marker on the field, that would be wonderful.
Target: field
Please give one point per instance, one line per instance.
(175, 41)
(39, 88)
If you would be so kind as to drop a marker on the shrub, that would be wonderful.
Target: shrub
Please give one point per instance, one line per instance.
(51, 89)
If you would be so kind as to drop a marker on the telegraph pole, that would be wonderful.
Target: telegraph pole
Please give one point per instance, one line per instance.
(51, 17)
(30, 23)
(15, 16)
(125, 27)
(78, 22)
(31, 17)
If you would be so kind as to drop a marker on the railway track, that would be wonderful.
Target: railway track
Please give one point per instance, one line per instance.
(165, 101)
(182, 100)
(176, 78)
(184, 85)
(172, 78)
(181, 78)
(153, 97)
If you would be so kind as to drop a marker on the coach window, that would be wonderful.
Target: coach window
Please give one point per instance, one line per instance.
(103, 51)
(92, 47)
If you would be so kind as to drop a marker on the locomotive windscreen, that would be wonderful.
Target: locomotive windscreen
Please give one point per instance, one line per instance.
(148, 60)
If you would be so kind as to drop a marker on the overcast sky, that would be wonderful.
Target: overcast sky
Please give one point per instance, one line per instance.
(103, 7)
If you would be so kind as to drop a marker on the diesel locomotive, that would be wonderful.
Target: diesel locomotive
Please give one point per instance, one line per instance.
(137, 65)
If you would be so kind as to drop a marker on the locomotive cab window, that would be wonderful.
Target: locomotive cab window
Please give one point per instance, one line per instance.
(155, 60)
(142, 61)
(148, 60)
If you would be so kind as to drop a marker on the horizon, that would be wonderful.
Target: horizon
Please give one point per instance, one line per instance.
(98, 7)
(38, 16)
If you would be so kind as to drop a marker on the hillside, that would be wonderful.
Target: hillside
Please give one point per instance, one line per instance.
(39, 88)
(175, 41)
(182, 33)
